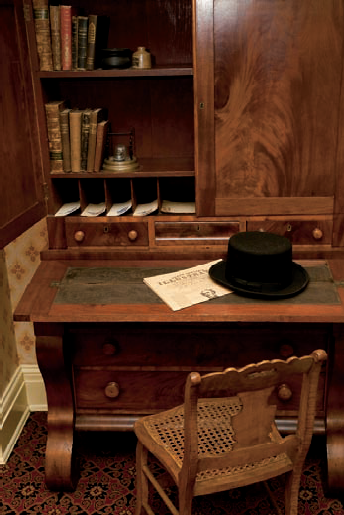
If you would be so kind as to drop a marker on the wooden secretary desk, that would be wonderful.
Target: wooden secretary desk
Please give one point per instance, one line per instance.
(242, 114)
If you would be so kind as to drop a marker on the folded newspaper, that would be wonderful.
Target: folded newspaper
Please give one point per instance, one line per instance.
(186, 287)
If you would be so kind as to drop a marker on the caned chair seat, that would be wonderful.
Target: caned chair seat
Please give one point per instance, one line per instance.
(224, 435)
(215, 438)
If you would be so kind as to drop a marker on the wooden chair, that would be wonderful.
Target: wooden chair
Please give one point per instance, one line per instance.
(224, 436)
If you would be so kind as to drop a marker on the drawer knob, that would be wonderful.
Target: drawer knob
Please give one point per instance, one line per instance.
(317, 233)
(132, 235)
(110, 347)
(284, 392)
(286, 350)
(112, 390)
(79, 236)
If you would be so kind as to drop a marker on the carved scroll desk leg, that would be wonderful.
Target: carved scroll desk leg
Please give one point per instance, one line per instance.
(60, 469)
(335, 415)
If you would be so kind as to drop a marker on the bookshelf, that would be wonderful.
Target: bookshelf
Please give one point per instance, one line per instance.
(156, 102)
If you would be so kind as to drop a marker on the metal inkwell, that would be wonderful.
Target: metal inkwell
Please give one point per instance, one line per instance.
(121, 156)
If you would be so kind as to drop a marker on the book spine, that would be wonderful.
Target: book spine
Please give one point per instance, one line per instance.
(92, 142)
(82, 41)
(64, 126)
(97, 115)
(102, 130)
(66, 37)
(52, 110)
(85, 131)
(91, 41)
(74, 42)
(55, 28)
(75, 139)
(42, 30)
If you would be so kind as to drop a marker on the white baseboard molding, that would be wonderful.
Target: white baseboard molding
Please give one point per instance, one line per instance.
(14, 414)
(35, 389)
(24, 393)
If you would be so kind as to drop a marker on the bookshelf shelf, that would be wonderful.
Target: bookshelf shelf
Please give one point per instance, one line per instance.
(157, 71)
(149, 167)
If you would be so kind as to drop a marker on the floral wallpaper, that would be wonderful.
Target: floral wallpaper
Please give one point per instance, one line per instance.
(19, 261)
(8, 345)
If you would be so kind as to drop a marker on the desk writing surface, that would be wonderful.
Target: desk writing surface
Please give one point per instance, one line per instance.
(47, 299)
(112, 285)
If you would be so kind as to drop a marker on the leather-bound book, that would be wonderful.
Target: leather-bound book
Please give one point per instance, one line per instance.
(52, 111)
(75, 139)
(55, 29)
(97, 115)
(64, 125)
(75, 42)
(82, 42)
(98, 31)
(42, 30)
(85, 132)
(67, 12)
(102, 130)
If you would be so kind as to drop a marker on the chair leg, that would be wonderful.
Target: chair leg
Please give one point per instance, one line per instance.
(292, 491)
(141, 480)
(185, 505)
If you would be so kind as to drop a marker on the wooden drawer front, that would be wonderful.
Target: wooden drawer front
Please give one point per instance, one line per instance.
(92, 234)
(138, 392)
(192, 345)
(193, 233)
(147, 391)
(298, 232)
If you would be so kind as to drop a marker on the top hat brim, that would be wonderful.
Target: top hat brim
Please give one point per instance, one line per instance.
(299, 282)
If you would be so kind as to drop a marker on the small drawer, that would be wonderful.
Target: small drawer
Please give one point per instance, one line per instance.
(195, 233)
(312, 232)
(90, 233)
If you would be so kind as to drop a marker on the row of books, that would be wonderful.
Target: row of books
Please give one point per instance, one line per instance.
(77, 137)
(67, 39)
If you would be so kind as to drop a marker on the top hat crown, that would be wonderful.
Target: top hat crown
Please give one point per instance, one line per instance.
(259, 264)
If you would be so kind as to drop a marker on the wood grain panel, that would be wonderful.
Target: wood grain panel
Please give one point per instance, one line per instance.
(277, 88)
(245, 205)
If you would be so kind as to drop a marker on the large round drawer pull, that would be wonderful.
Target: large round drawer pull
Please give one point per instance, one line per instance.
(112, 390)
(132, 235)
(79, 236)
(317, 233)
(284, 392)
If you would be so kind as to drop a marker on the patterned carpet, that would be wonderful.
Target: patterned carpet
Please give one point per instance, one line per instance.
(107, 482)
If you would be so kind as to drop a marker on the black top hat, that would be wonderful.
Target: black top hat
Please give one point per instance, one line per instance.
(259, 264)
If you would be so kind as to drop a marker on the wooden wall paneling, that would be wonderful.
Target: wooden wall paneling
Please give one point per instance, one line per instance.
(169, 31)
(172, 117)
(21, 170)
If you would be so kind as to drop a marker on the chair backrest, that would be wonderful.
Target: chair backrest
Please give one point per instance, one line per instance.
(252, 390)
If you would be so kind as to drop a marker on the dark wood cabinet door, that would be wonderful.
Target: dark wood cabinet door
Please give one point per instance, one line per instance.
(271, 104)
(21, 177)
